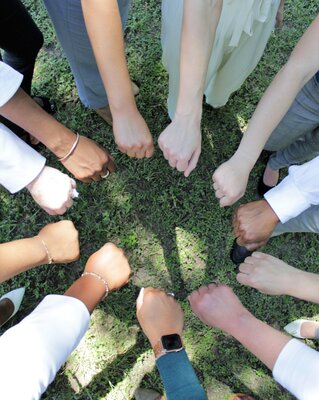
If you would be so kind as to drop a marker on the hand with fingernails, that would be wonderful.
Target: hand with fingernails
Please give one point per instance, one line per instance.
(53, 191)
(159, 314)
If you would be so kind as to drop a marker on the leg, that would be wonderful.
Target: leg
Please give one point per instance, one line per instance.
(296, 137)
(68, 21)
(308, 221)
(20, 38)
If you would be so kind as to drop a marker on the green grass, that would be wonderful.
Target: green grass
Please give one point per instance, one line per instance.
(175, 234)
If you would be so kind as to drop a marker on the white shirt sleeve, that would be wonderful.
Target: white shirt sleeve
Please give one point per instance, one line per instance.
(297, 370)
(10, 81)
(19, 163)
(297, 192)
(33, 351)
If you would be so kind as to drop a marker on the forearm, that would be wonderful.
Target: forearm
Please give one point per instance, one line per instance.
(104, 28)
(21, 255)
(265, 342)
(305, 286)
(179, 378)
(27, 114)
(269, 112)
(200, 20)
(301, 66)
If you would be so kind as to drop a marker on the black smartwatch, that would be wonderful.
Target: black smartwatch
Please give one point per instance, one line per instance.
(168, 344)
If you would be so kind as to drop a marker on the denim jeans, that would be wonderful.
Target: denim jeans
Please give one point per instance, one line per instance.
(68, 21)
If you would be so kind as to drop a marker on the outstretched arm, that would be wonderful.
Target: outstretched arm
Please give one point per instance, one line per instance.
(54, 329)
(181, 140)
(295, 366)
(230, 179)
(103, 23)
(87, 162)
(56, 243)
(273, 276)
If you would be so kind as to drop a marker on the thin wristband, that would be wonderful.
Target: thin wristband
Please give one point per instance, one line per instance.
(99, 277)
(69, 153)
(50, 259)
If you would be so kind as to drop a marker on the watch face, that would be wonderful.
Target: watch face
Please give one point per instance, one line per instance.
(172, 342)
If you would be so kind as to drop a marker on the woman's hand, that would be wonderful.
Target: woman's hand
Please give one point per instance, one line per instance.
(61, 240)
(230, 181)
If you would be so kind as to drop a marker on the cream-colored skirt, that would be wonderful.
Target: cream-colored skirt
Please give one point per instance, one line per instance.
(242, 34)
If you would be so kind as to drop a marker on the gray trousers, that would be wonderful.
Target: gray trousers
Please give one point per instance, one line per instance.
(68, 21)
(295, 140)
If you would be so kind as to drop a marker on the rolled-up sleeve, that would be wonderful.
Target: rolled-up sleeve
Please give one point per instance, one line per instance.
(297, 192)
(19, 163)
(10, 81)
(33, 351)
(297, 370)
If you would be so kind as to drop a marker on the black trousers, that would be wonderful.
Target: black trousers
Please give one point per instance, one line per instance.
(20, 39)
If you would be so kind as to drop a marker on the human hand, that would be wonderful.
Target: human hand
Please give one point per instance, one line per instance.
(159, 314)
(61, 240)
(111, 264)
(53, 191)
(268, 274)
(180, 143)
(132, 135)
(89, 161)
(253, 224)
(217, 306)
(230, 181)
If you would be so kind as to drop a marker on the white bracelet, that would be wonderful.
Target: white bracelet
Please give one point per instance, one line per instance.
(50, 259)
(99, 277)
(71, 149)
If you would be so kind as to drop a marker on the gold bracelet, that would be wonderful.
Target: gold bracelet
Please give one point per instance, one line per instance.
(69, 153)
(50, 259)
(99, 277)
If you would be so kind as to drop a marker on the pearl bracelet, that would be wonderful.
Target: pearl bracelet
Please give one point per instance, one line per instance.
(50, 259)
(71, 149)
(99, 277)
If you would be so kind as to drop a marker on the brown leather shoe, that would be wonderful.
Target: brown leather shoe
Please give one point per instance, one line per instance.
(105, 112)
(147, 394)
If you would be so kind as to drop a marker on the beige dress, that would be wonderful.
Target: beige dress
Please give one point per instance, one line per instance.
(242, 34)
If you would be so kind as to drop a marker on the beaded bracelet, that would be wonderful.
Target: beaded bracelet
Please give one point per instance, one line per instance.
(99, 277)
(71, 149)
(50, 259)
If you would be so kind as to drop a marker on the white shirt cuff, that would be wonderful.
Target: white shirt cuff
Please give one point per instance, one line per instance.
(297, 370)
(19, 163)
(286, 200)
(10, 81)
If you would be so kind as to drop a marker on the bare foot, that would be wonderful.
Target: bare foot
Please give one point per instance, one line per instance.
(310, 330)
(271, 177)
(268, 274)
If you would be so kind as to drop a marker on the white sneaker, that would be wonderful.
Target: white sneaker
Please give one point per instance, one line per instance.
(16, 297)
(295, 326)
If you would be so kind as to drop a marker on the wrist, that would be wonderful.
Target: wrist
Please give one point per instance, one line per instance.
(192, 112)
(40, 250)
(244, 160)
(62, 142)
(170, 343)
(124, 106)
(239, 325)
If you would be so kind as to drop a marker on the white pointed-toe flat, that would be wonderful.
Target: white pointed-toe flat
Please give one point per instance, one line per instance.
(295, 326)
(16, 297)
